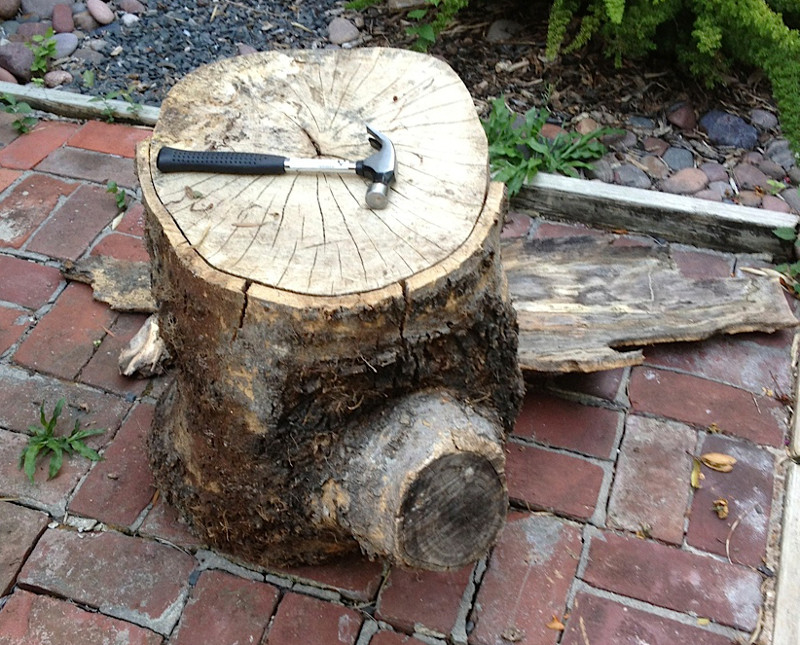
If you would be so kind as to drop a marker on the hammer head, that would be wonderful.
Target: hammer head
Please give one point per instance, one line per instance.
(379, 168)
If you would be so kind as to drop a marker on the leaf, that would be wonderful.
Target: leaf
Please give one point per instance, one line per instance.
(720, 507)
(29, 466)
(785, 233)
(56, 459)
(417, 14)
(555, 624)
(85, 451)
(718, 461)
(696, 474)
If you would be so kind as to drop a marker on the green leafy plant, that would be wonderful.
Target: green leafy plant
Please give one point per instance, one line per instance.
(790, 271)
(775, 186)
(440, 14)
(518, 150)
(108, 110)
(25, 122)
(44, 441)
(43, 48)
(119, 195)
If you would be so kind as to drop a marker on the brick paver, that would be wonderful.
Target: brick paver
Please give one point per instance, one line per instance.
(26, 283)
(19, 529)
(122, 247)
(89, 568)
(298, 616)
(393, 638)
(112, 138)
(28, 205)
(13, 324)
(91, 166)
(25, 152)
(353, 576)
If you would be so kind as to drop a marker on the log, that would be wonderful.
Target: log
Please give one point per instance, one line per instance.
(345, 377)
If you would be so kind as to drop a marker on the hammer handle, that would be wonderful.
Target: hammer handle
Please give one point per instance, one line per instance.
(238, 163)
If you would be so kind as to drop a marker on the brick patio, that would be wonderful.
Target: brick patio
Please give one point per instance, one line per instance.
(605, 538)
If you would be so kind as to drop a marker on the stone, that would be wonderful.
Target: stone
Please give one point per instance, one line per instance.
(341, 30)
(57, 77)
(714, 171)
(781, 153)
(763, 119)
(682, 115)
(100, 11)
(62, 19)
(89, 55)
(9, 9)
(655, 145)
(749, 198)
(773, 203)
(132, 6)
(502, 30)
(629, 175)
(678, 158)
(10, 27)
(623, 140)
(708, 195)
(602, 170)
(753, 158)
(19, 530)
(772, 170)
(7, 77)
(29, 29)
(792, 197)
(41, 8)
(641, 122)
(66, 44)
(655, 167)
(84, 21)
(685, 182)
(587, 125)
(129, 19)
(727, 129)
(794, 174)
(298, 616)
(749, 177)
(17, 59)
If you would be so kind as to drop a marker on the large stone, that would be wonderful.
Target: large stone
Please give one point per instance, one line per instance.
(682, 116)
(714, 171)
(62, 19)
(17, 59)
(9, 9)
(685, 182)
(85, 22)
(749, 177)
(629, 175)
(341, 30)
(41, 8)
(763, 119)
(678, 158)
(729, 130)
(100, 11)
(132, 6)
(66, 43)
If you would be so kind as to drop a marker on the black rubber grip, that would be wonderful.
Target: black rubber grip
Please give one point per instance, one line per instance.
(238, 163)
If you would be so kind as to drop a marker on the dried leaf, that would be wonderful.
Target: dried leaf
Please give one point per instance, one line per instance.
(555, 624)
(718, 461)
(696, 474)
(703, 622)
(720, 507)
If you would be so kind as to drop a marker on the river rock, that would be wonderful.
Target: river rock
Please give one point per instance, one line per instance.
(655, 167)
(586, 125)
(85, 22)
(57, 77)
(132, 6)
(62, 19)
(65, 44)
(128, 19)
(17, 59)
(772, 203)
(678, 158)
(763, 119)
(641, 122)
(715, 171)
(772, 170)
(655, 145)
(41, 8)
(780, 152)
(7, 77)
(9, 9)
(750, 198)
(341, 30)
(682, 116)
(29, 29)
(748, 177)
(792, 197)
(502, 30)
(629, 175)
(685, 182)
(727, 129)
(100, 11)
(602, 170)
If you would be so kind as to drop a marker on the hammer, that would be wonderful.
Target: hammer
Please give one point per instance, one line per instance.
(379, 168)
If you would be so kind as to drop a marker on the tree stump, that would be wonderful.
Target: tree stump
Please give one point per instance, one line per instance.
(344, 376)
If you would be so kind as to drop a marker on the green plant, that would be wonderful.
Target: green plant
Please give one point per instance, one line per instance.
(43, 48)
(518, 150)
(44, 441)
(775, 186)
(25, 122)
(441, 13)
(108, 110)
(119, 195)
(790, 271)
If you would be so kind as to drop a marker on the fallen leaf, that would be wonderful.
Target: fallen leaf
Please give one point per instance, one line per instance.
(555, 624)
(644, 531)
(696, 474)
(720, 507)
(703, 621)
(718, 461)
(713, 428)
(512, 634)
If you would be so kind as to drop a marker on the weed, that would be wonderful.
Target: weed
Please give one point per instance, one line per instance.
(119, 194)
(790, 271)
(517, 149)
(775, 187)
(43, 48)
(25, 122)
(44, 441)
(133, 107)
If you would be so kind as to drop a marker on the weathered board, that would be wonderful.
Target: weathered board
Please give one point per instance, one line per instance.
(582, 303)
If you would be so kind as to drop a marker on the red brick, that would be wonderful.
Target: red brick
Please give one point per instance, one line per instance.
(598, 620)
(13, 324)
(300, 616)
(547, 230)
(651, 486)
(163, 522)
(91, 166)
(679, 580)
(41, 620)
(516, 225)
(353, 576)
(71, 229)
(245, 607)
(122, 247)
(19, 530)
(702, 265)
(430, 599)
(565, 424)
(748, 490)
(132, 222)
(102, 370)
(25, 152)
(742, 360)
(50, 495)
(552, 481)
(27, 206)
(393, 638)
(121, 486)
(26, 283)
(63, 341)
(604, 385)
(126, 577)
(8, 177)
(111, 138)
(701, 402)
(527, 581)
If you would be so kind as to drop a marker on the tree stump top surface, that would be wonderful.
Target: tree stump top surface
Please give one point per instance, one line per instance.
(314, 234)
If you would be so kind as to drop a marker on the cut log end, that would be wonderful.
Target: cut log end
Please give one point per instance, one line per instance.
(452, 513)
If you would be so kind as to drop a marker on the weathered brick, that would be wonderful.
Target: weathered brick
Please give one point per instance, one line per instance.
(73, 226)
(526, 582)
(89, 165)
(598, 620)
(163, 522)
(8, 177)
(111, 138)
(546, 230)
(245, 607)
(26, 283)
(64, 340)
(89, 568)
(702, 265)
(120, 487)
(551, 481)
(13, 324)
(28, 205)
(748, 491)
(132, 222)
(393, 638)
(41, 620)
(675, 579)
(122, 247)
(353, 576)
(19, 529)
(429, 599)
(743, 360)
(516, 225)
(604, 385)
(651, 486)
(25, 152)
(102, 370)
(565, 424)
(298, 616)
(701, 402)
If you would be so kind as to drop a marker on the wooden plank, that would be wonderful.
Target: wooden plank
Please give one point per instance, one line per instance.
(677, 218)
(79, 106)
(583, 305)
(787, 627)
